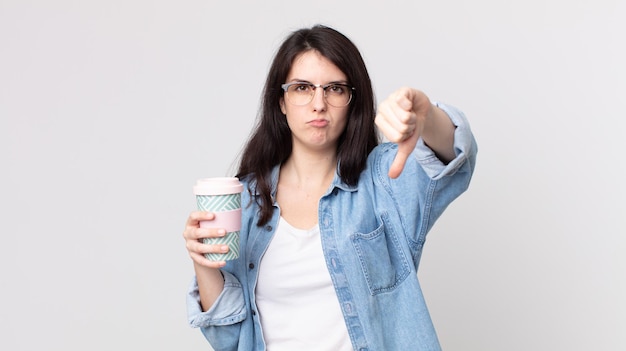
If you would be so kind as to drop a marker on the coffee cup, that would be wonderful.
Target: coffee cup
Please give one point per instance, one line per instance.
(222, 196)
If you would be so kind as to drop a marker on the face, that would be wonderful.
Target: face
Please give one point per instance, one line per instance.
(316, 125)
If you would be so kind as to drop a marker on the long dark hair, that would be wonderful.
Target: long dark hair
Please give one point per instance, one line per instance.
(270, 143)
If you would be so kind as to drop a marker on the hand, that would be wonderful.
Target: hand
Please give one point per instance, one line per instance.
(193, 235)
(401, 119)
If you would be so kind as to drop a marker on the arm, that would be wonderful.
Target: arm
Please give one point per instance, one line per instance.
(405, 116)
(427, 184)
(221, 325)
(438, 134)
(209, 278)
(215, 299)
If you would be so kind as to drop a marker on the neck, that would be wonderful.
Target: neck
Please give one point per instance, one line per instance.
(310, 169)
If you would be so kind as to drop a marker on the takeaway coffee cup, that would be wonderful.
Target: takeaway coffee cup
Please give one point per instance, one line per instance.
(222, 196)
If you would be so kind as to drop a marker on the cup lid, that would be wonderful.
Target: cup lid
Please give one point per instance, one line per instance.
(217, 186)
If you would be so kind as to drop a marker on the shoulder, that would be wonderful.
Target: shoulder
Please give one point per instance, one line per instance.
(381, 156)
(381, 150)
(378, 162)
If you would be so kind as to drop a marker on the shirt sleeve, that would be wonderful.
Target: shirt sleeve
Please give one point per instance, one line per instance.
(229, 308)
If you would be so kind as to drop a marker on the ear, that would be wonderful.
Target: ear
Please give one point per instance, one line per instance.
(282, 106)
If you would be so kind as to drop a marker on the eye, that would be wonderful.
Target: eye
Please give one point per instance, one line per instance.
(336, 89)
(301, 88)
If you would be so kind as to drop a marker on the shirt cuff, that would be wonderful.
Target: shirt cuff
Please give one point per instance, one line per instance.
(229, 308)
(464, 146)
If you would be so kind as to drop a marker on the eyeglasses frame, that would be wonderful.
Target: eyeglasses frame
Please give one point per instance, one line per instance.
(286, 86)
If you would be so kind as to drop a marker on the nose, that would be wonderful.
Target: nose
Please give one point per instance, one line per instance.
(319, 100)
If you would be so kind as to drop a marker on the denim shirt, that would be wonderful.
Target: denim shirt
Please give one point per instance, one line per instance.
(372, 237)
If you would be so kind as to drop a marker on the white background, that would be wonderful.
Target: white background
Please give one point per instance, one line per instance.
(110, 110)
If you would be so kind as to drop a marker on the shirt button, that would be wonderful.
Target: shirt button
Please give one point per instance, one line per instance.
(268, 228)
(251, 266)
(253, 312)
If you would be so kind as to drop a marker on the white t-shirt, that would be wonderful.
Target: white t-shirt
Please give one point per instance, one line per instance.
(295, 297)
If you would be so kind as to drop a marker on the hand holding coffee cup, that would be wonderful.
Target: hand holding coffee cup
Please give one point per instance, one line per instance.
(222, 197)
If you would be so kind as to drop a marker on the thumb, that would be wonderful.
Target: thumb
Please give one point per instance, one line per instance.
(405, 149)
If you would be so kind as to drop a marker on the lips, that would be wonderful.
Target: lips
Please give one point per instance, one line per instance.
(320, 123)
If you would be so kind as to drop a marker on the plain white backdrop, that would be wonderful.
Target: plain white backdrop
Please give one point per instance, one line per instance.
(110, 110)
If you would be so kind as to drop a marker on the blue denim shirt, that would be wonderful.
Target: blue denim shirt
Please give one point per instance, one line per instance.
(372, 237)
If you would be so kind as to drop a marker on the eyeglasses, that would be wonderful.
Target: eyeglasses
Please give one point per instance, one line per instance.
(302, 93)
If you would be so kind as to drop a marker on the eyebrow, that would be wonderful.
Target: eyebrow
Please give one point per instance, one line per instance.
(297, 80)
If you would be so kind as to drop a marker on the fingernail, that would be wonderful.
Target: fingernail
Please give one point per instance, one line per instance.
(224, 248)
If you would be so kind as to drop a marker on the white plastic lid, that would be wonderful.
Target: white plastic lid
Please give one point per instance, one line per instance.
(218, 186)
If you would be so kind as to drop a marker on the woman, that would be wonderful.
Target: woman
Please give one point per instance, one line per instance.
(333, 223)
